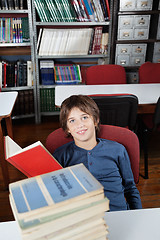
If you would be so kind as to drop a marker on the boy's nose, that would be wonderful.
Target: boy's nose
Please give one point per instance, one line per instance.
(80, 124)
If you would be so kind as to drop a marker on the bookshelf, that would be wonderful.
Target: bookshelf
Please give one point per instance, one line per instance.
(17, 56)
(72, 55)
(135, 38)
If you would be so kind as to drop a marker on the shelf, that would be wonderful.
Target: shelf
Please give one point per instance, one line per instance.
(61, 24)
(15, 44)
(16, 88)
(14, 11)
(72, 56)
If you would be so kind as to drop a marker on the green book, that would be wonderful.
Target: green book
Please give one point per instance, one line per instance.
(40, 11)
(52, 11)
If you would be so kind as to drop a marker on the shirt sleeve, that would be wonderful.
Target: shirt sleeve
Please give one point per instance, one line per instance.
(130, 190)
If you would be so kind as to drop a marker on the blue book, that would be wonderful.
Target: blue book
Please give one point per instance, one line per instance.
(89, 10)
(55, 195)
(47, 72)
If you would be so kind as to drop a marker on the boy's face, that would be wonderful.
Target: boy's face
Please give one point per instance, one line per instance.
(82, 128)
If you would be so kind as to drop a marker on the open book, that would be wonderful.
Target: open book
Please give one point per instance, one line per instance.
(32, 160)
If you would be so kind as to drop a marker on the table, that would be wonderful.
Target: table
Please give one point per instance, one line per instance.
(123, 225)
(7, 101)
(134, 224)
(147, 94)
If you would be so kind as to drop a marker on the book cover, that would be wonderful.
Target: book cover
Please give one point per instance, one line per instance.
(55, 195)
(32, 160)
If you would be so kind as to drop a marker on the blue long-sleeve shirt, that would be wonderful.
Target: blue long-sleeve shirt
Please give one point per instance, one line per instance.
(108, 161)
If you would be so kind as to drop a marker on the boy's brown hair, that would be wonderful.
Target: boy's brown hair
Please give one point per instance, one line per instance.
(84, 103)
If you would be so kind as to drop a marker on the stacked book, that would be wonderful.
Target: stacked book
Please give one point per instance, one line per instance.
(81, 41)
(65, 204)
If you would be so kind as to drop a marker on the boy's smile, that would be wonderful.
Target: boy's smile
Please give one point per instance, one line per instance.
(82, 128)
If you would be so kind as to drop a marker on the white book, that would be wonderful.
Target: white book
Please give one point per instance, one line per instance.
(99, 10)
(42, 42)
(39, 38)
(54, 43)
(69, 50)
(48, 42)
(63, 42)
(75, 42)
(88, 40)
(29, 73)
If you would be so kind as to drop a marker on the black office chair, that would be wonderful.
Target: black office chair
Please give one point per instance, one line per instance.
(146, 125)
(117, 109)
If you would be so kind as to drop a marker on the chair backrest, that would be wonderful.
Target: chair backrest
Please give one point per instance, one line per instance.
(149, 73)
(122, 135)
(106, 74)
(117, 109)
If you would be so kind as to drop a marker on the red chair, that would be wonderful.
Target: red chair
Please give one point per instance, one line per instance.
(106, 74)
(149, 73)
(122, 135)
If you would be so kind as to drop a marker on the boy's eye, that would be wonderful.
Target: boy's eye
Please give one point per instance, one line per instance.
(71, 121)
(85, 117)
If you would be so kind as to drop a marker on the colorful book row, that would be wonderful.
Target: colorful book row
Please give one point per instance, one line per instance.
(73, 10)
(16, 74)
(14, 30)
(59, 74)
(67, 74)
(47, 100)
(81, 41)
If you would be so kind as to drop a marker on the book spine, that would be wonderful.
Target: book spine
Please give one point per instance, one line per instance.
(71, 16)
(16, 4)
(89, 10)
(108, 8)
(60, 9)
(14, 30)
(53, 16)
(85, 9)
(21, 6)
(99, 10)
(97, 40)
(94, 10)
(40, 14)
(77, 10)
(10, 5)
(4, 74)
(104, 9)
(4, 4)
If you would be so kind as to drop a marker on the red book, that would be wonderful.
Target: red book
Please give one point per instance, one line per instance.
(33, 160)
(108, 8)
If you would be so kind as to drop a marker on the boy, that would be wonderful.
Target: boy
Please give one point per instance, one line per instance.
(107, 160)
